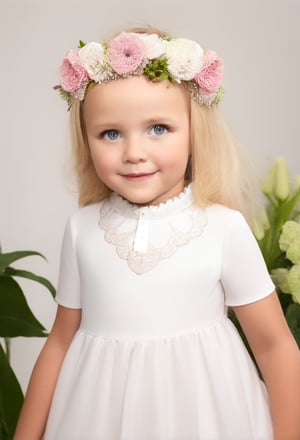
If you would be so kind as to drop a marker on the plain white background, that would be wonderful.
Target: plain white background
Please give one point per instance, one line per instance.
(259, 41)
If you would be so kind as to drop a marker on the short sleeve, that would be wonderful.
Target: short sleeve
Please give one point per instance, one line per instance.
(244, 274)
(68, 289)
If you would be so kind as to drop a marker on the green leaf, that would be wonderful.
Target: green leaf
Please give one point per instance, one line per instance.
(3, 430)
(16, 318)
(157, 70)
(81, 44)
(11, 398)
(220, 95)
(10, 271)
(90, 85)
(7, 259)
(65, 96)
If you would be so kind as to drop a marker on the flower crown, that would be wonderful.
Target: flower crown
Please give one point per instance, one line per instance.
(158, 58)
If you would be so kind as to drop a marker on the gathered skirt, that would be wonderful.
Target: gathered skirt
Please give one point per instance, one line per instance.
(199, 384)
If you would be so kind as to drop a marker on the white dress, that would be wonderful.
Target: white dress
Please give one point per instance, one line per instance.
(156, 357)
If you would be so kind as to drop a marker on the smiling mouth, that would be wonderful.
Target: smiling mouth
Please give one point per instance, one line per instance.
(138, 176)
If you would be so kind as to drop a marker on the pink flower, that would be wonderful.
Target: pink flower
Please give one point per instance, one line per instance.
(126, 53)
(72, 74)
(210, 76)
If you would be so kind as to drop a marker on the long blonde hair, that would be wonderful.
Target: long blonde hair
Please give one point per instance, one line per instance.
(217, 170)
(220, 172)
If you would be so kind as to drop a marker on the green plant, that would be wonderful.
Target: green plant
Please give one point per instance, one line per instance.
(16, 319)
(277, 229)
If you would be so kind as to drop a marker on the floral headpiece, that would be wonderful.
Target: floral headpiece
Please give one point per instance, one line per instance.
(158, 58)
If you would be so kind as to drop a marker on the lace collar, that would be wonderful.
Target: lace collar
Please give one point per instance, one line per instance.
(145, 235)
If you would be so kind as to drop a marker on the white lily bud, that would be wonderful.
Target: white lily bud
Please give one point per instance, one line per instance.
(258, 230)
(281, 183)
(267, 183)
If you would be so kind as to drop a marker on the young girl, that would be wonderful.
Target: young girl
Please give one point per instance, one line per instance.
(141, 347)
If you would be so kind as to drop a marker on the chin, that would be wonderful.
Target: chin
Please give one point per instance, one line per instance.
(142, 201)
(138, 199)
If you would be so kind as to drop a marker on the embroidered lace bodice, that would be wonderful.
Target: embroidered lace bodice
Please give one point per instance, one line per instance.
(145, 235)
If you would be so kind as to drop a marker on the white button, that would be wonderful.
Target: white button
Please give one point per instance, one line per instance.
(142, 235)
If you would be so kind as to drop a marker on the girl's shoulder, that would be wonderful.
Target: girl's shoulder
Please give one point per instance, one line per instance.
(224, 218)
(87, 210)
(223, 212)
(85, 215)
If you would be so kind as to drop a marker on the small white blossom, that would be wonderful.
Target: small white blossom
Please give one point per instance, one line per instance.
(94, 59)
(185, 58)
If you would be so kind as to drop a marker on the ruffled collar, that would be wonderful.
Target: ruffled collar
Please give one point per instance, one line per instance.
(145, 235)
(170, 207)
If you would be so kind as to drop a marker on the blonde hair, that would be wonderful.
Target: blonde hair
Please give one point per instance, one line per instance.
(217, 169)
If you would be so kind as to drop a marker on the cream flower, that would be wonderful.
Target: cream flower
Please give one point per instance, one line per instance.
(154, 45)
(185, 58)
(94, 59)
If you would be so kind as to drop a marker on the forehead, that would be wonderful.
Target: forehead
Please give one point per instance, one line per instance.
(136, 96)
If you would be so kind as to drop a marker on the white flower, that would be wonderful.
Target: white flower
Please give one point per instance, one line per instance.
(154, 45)
(185, 58)
(279, 277)
(293, 279)
(94, 59)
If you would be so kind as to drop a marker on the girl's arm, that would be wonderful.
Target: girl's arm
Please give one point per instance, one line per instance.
(38, 398)
(278, 358)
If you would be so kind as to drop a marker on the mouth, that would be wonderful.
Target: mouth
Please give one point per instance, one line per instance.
(138, 177)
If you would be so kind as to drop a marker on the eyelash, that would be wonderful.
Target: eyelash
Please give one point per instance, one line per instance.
(105, 134)
(160, 126)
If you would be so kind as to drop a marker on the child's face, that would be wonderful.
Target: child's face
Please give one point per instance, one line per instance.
(139, 137)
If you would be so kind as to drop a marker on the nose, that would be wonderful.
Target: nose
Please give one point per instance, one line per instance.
(134, 150)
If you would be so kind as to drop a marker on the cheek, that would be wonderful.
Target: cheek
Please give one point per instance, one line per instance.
(102, 160)
(174, 163)
(176, 156)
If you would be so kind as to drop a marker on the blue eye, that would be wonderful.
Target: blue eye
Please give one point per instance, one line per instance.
(158, 129)
(111, 135)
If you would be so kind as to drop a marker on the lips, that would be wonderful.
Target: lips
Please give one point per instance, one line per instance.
(138, 176)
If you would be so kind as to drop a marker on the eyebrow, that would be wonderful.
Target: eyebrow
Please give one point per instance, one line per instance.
(161, 119)
(150, 121)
